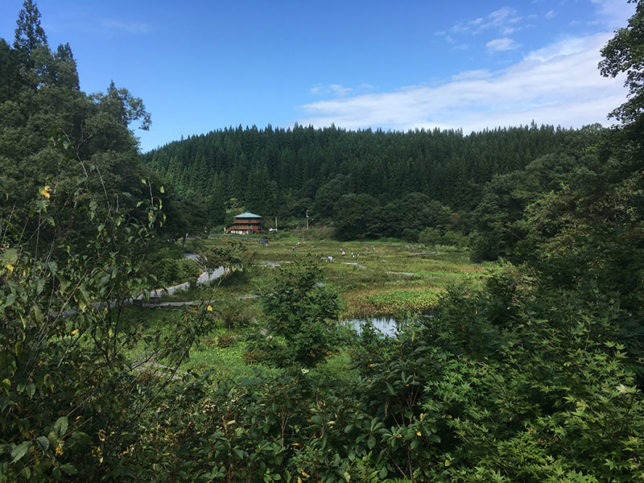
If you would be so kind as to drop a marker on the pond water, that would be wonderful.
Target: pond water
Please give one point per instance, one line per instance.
(386, 325)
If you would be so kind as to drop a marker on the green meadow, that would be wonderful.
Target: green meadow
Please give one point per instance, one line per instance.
(374, 278)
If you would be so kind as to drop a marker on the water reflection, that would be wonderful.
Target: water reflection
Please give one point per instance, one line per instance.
(386, 325)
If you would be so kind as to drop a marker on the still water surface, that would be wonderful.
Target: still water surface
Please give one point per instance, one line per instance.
(386, 325)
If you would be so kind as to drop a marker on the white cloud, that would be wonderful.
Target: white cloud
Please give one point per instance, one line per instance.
(332, 89)
(564, 47)
(503, 20)
(559, 84)
(550, 14)
(500, 45)
(613, 13)
(339, 90)
(472, 74)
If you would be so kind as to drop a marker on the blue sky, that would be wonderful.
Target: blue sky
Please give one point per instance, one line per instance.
(204, 65)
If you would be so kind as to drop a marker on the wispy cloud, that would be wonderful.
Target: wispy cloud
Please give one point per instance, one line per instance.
(504, 20)
(559, 85)
(500, 45)
(613, 13)
(339, 90)
(564, 47)
(472, 74)
(116, 26)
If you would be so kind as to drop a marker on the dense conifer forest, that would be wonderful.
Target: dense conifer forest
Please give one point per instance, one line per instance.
(286, 173)
(536, 375)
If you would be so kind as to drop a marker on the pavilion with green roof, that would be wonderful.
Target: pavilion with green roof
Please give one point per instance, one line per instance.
(245, 224)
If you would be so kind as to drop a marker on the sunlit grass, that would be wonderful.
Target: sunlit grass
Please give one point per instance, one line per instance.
(374, 277)
(384, 277)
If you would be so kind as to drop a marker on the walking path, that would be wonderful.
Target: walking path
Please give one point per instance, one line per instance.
(206, 277)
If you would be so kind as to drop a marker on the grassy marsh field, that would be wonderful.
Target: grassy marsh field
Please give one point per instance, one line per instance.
(373, 278)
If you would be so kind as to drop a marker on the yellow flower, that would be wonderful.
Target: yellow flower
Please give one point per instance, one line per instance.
(75, 331)
(305, 474)
(209, 308)
(10, 267)
(46, 192)
(418, 433)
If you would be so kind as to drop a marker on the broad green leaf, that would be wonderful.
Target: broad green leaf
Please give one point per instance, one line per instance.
(37, 314)
(60, 426)
(9, 257)
(20, 450)
(43, 442)
(69, 469)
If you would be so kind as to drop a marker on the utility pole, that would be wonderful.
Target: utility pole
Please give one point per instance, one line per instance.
(276, 223)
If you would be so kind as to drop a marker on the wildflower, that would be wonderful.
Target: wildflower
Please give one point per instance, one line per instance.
(46, 192)
(75, 331)
(209, 308)
(10, 267)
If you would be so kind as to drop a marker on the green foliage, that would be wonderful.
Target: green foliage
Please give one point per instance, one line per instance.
(535, 377)
(623, 54)
(358, 216)
(500, 223)
(170, 271)
(575, 411)
(300, 317)
(233, 255)
(415, 180)
(62, 334)
(29, 32)
(233, 313)
(78, 216)
(433, 236)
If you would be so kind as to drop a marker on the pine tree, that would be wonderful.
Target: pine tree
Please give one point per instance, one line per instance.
(65, 73)
(29, 32)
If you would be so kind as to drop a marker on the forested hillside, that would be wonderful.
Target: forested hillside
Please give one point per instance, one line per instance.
(285, 172)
